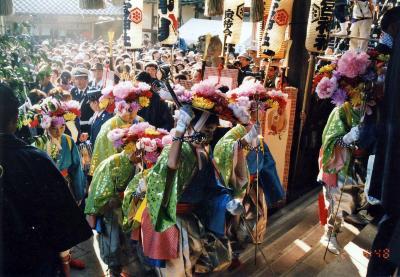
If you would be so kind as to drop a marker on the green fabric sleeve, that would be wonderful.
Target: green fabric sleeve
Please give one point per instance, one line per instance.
(224, 151)
(164, 217)
(111, 176)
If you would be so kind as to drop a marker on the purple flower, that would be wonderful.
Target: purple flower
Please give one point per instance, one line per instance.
(57, 121)
(369, 76)
(118, 143)
(339, 97)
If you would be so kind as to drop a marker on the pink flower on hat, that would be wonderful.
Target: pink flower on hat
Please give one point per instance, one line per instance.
(353, 64)
(326, 87)
(123, 89)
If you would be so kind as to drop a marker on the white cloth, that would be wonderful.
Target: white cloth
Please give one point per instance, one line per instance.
(360, 29)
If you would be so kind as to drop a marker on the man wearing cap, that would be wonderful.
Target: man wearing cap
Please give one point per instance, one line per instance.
(100, 114)
(79, 93)
(97, 81)
(245, 70)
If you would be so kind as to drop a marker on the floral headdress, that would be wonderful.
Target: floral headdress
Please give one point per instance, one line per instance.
(347, 78)
(250, 91)
(52, 111)
(141, 137)
(128, 96)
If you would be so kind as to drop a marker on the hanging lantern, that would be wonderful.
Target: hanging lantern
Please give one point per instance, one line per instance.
(319, 20)
(133, 24)
(279, 17)
(91, 4)
(168, 14)
(256, 10)
(233, 20)
(6, 7)
(213, 7)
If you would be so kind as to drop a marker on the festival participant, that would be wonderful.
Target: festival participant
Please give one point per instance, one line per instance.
(344, 82)
(140, 143)
(100, 115)
(40, 219)
(385, 252)
(43, 77)
(151, 68)
(79, 93)
(245, 70)
(270, 188)
(65, 81)
(158, 112)
(185, 190)
(361, 24)
(129, 99)
(53, 115)
(97, 81)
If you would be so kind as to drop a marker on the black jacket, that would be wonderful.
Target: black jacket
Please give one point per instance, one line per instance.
(386, 174)
(86, 111)
(39, 217)
(158, 114)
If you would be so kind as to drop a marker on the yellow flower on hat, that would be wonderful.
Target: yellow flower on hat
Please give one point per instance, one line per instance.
(27, 121)
(151, 132)
(104, 103)
(202, 103)
(144, 101)
(69, 116)
(130, 148)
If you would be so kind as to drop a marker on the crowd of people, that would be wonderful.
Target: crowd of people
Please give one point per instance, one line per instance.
(165, 166)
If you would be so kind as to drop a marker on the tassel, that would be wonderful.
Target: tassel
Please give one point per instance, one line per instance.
(91, 4)
(213, 8)
(257, 10)
(6, 7)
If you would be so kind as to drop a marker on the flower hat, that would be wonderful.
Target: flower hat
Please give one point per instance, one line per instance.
(52, 112)
(206, 96)
(348, 77)
(127, 95)
(141, 137)
(252, 91)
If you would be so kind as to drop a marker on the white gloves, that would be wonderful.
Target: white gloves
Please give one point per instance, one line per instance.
(185, 116)
(240, 113)
(235, 207)
(352, 136)
(252, 134)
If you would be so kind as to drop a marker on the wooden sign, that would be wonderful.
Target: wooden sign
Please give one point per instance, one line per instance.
(277, 126)
(223, 77)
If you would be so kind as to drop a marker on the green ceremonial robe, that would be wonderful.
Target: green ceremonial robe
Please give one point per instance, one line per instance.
(110, 178)
(164, 217)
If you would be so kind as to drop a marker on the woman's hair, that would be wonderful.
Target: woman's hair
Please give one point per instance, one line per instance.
(60, 94)
(35, 95)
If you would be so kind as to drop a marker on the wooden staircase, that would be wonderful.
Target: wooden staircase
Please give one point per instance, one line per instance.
(292, 246)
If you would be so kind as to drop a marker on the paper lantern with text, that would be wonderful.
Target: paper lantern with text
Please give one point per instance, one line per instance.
(133, 24)
(279, 17)
(168, 14)
(233, 20)
(319, 20)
